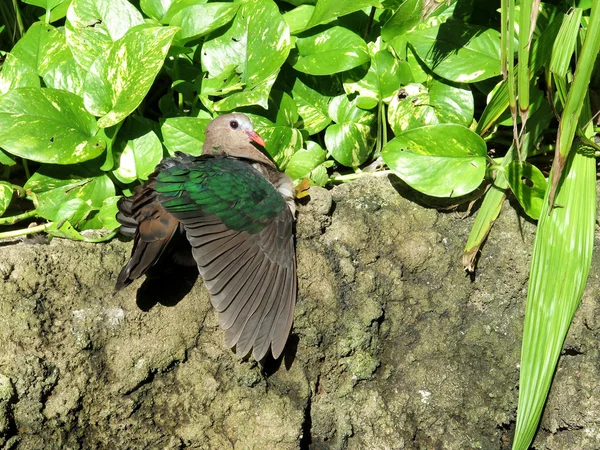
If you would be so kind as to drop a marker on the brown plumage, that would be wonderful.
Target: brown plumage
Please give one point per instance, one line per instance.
(244, 251)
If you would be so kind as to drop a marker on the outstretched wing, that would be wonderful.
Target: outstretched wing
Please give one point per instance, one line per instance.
(153, 229)
(240, 229)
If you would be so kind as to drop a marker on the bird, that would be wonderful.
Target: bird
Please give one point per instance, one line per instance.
(235, 210)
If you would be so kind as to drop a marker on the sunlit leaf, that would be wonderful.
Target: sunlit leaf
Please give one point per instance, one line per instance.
(445, 160)
(350, 140)
(48, 125)
(528, 184)
(327, 10)
(331, 51)
(305, 160)
(6, 195)
(313, 107)
(120, 78)
(256, 44)
(199, 20)
(93, 25)
(184, 134)
(382, 79)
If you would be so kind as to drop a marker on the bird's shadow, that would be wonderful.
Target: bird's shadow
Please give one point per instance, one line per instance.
(167, 284)
(270, 365)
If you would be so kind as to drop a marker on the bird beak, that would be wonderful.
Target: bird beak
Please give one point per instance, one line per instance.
(256, 138)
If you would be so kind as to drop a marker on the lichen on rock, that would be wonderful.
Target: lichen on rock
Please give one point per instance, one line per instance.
(393, 345)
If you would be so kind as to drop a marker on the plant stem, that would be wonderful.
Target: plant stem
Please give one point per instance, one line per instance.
(19, 19)
(357, 175)
(17, 218)
(25, 231)
(26, 168)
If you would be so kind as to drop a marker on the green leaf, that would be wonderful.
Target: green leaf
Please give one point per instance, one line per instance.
(48, 125)
(453, 102)
(64, 229)
(415, 105)
(46, 4)
(331, 51)
(445, 160)
(199, 20)
(457, 51)
(305, 160)
(17, 73)
(411, 108)
(256, 95)
(328, 10)
(141, 153)
(184, 134)
(121, 77)
(257, 44)
(93, 25)
(565, 42)
(350, 139)
(281, 141)
(298, 18)
(404, 19)
(313, 107)
(44, 50)
(6, 195)
(560, 265)
(529, 185)
(105, 218)
(164, 10)
(342, 110)
(69, 192)
(381, 81)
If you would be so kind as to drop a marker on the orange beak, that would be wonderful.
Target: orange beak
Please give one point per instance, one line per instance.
(256, 138)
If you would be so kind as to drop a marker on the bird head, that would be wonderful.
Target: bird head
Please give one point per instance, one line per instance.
(233, 135)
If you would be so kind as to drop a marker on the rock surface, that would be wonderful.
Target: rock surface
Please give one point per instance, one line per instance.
(394, 346)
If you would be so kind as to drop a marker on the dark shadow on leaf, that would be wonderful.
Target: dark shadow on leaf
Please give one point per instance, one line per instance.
(449, 42)
(453, 204)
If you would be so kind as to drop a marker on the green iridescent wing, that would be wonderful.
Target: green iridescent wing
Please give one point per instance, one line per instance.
(228, 188)
(240, 229)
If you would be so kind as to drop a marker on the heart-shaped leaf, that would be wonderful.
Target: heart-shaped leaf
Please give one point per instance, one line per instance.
(313, 107)
(416, 105)
(44, 50)
(199, 20)
(184, 134)
(350, 139)
(257, 44)
(457, 51)
(93, 25)
(381, 81)
(141, 150)
(331, 51)
(48, 125)
(445, 160)
(69, 192)
(305, 160)
(120, 78)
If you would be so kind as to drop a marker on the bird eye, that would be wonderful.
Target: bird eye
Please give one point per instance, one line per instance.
(234, 124)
